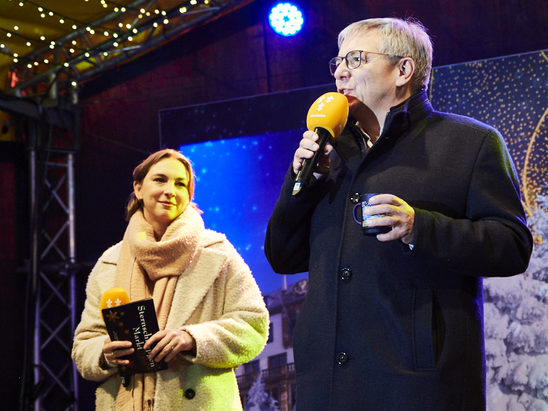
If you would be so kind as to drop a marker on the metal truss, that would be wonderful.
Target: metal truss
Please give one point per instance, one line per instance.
(50, 378)
(117, 37)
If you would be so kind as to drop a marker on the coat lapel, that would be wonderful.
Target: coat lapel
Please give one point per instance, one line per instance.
(193, 285)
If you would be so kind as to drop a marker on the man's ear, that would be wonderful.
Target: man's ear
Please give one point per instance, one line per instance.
(406, 68)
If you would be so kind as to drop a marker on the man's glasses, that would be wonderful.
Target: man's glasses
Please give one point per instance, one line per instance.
(354, 59)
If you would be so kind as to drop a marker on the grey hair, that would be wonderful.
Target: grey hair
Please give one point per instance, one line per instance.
(405, 38)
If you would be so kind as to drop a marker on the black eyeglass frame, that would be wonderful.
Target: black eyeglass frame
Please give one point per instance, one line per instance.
(336, 61)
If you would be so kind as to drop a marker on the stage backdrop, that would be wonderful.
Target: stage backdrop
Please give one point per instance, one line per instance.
(246, 147)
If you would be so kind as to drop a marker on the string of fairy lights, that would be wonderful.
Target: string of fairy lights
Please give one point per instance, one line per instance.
(117, 29)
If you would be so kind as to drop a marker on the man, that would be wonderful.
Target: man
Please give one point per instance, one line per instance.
(395, 321)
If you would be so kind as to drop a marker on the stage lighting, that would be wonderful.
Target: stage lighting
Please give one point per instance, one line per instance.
(286, 19)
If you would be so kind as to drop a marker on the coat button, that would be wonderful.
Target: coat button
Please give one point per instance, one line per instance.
(355, 198)
(189, 393)
(342, 358)
(345, 273)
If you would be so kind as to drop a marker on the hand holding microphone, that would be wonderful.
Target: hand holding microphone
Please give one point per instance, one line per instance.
(326, 118)
(113, 351)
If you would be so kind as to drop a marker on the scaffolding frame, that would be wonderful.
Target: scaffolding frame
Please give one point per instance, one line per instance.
(49, 375)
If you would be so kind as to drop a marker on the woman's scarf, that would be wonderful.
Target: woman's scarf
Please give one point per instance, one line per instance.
(146, 268)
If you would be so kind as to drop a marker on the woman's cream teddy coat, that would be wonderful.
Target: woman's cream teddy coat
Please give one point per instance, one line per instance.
(216, 300)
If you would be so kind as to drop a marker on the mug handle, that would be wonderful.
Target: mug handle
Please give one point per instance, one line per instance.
(354, 213)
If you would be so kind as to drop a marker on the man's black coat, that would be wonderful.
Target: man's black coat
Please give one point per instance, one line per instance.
(385, 327)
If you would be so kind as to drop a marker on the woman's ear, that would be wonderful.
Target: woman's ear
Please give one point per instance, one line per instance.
(406, 68)
(137, 190)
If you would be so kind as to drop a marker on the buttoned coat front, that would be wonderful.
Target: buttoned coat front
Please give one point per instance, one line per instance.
(385, 327)
(216, 300)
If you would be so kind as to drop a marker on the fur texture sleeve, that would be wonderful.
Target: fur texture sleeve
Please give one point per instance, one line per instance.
(91, 332)
(241, 330)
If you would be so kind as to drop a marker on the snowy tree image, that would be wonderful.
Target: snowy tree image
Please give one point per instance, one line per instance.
(516, 328)
(258, 399)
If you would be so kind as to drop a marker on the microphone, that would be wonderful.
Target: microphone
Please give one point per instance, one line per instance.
(114, 297)
(327, 117)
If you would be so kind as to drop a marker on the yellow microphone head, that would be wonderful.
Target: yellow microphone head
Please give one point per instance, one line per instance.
(329, 111)
(114, 297)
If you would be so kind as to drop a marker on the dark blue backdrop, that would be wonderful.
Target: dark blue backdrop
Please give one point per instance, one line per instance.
(237, 183)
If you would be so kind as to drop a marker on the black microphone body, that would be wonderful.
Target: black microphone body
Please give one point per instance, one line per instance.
(309, 164)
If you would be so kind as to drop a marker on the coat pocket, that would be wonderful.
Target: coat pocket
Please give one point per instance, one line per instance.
(428, 330)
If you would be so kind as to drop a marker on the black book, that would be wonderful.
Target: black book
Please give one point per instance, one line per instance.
(135, 322)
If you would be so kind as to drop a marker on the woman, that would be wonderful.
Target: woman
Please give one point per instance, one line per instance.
(210, 311)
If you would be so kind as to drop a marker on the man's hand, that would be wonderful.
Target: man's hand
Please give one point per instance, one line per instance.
(307, 148)
(397, 214)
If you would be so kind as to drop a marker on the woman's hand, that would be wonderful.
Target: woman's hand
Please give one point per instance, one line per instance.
(114, 350)
(169, 344)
